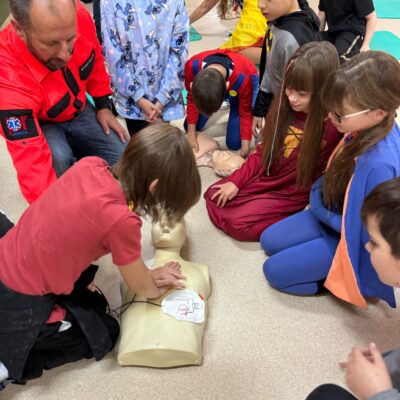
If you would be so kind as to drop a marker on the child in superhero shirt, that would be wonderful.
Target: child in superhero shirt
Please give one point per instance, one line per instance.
(370, 375)
(49, 314)
(212, 77)
(329, 250)
(275, 181)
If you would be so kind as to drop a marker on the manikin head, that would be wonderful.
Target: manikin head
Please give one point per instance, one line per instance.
(381, 215)
(166, 234)
(226, 162)
(48, 29)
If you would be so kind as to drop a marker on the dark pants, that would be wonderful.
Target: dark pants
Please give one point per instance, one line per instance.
(5, 224)
(330, 392)
(96, 16)
(347, 44)
(81, 137)
(135, 125)
(233, 140)
(53, 348)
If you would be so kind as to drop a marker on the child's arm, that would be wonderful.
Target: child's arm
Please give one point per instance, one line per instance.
(202, 10)
(151, 283)
(249, 169)
(320, 211)
(192, 113)
(245, 114)
(192, 137)
(371, 20)
(322, 19)
(171, 84)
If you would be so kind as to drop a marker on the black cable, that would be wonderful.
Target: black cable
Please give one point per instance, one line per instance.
(117, 311)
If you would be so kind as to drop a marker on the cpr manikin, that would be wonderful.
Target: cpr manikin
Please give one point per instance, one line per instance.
(224, 163)
(149, 336)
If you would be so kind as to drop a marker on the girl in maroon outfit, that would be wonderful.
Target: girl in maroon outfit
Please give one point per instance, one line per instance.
(275, 181)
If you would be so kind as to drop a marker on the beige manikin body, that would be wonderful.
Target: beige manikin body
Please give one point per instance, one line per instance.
(148, 336)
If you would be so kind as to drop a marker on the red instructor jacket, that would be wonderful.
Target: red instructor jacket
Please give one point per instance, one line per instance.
(31, 93)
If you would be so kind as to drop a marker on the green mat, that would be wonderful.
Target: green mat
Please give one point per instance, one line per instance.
(387, 8)
(184, 95)
(194, 35)
(386, 41)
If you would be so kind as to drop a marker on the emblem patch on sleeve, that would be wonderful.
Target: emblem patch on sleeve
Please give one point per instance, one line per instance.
(18, 124)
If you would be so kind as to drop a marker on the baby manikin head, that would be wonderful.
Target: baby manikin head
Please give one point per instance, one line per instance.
(167, 234)
(226, 162)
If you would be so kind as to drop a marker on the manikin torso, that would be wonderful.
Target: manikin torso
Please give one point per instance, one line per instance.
(148, 336)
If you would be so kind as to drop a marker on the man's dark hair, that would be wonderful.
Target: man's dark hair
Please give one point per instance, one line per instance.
(20, 9)
(384, 204)
(208, 90)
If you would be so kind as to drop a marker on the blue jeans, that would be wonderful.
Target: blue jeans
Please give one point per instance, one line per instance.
(80, 137)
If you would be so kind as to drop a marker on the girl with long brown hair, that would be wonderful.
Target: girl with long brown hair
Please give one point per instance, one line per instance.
(275, 181)
(363, 97)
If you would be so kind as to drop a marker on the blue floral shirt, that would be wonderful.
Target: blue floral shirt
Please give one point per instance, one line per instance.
(145, 43)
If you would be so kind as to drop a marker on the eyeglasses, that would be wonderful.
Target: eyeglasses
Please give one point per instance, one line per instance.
(339, 118)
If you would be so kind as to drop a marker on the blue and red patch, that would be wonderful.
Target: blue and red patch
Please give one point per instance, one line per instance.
(18, 124)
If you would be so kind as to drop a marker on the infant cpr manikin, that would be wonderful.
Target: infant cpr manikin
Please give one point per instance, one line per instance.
(224, 163)
(152, 338)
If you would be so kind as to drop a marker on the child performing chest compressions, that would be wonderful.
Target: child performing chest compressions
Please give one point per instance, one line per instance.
(48, 316)
(363, 97)
(275, 181)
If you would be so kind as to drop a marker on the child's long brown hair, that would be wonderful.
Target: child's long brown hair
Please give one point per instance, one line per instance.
(306, 71)
(371, 80)
(159, 152)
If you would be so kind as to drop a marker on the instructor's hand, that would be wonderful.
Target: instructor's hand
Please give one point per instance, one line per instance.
(108, 121)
